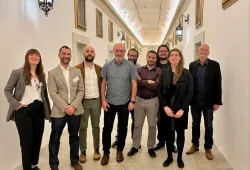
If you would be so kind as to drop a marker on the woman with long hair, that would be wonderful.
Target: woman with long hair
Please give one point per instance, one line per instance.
(27, 95)
(175, 93)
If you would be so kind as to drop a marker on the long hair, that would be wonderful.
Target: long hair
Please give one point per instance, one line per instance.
(39, 68)
(158, 58)
(180, 67)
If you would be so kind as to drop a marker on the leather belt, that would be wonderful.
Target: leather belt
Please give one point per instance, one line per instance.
(92, 99)
(147, 98)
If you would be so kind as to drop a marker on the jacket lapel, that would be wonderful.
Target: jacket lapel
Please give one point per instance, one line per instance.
(208, 72)
(60, 73)
(23, 85)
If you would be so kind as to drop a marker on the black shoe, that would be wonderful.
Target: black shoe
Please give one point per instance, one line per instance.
(180, 163)
(159, 146)
(174, 149)
(132, 151)
(114, 145)
(152, 153)
(36, 168)
(139, 146)
(167, 162)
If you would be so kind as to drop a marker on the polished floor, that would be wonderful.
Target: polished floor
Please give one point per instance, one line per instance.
(141, 160)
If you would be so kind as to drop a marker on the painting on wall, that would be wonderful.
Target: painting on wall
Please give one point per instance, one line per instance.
(99, 24)
(111, 31)
(199, 13)
(80, 14)
(227, 3)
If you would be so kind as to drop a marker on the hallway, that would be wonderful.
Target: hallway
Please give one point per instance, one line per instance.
(141, 160)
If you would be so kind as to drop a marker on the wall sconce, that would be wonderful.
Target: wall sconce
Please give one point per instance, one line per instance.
(120, 33)
(179, 29)
(46, 5)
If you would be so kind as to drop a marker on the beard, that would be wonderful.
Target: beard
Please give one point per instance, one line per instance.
(133, 61)
(163, 58)
(88, 59)
(65, 60)
(150, 63)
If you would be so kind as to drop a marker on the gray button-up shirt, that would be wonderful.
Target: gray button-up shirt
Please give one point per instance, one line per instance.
(119, 79)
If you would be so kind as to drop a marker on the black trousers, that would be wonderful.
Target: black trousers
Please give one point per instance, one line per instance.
(109, 116)
(30, 125)
(161, 135)
(196, 109)
(132, 112)
(57, 127)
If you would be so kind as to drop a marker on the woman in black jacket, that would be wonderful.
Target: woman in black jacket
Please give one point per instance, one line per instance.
(175, 93)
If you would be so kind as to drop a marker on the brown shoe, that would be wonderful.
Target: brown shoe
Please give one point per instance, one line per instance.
(54, 169)
(192, 150)
(209, 154)
(105, 159)
(83, 157)
(119, 156)
(97, 154)
(77, 166)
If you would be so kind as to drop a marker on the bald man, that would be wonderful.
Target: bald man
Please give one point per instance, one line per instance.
(91, 74)
(206, 98)
(119, 79)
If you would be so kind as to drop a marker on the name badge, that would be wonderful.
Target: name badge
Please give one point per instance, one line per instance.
(76, 79)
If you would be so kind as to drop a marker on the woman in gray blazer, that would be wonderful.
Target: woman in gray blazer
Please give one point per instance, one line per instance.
(27, 95)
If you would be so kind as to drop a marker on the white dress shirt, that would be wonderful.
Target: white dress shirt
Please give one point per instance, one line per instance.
(66, 76)
(91, 83)
(32, 92)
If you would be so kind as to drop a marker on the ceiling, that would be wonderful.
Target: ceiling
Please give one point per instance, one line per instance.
(149, 20)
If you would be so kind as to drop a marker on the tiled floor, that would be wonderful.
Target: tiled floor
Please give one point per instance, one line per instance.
(140, 161)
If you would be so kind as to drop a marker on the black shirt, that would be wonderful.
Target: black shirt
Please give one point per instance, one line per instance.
(163, 66)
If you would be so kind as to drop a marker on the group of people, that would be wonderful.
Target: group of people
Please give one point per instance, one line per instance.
(162, 90)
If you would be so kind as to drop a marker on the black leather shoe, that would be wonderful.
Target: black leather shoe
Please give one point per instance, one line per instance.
(114, 145)
(132, 151)
(174, 149)
(152, 153)
(180, 163)
(167, 162)
(36, 168)
(159, 146)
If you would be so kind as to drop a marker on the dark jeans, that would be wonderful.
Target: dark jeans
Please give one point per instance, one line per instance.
(180, 141)
(132, 126)
(30, 125)
(161, 135)
(57, 126)
(109, 116)
(196, 110)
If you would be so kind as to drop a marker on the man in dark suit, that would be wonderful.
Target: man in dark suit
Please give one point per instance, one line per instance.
(206, 98)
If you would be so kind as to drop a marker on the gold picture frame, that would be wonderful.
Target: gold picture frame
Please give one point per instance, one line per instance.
(80, 14)
(227, 3)
(99, 24)
(110, 31)
(199, 13)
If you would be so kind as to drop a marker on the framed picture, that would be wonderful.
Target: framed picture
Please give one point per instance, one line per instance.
(99, 24)
(199, 13)
(111, 31)
(227, 3)
(80, 14)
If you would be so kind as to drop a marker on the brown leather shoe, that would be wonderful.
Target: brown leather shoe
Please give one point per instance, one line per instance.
(105, 159)
(77, 166)
(192, 150)
(54, 169)
(83, 157)
(209, 154)
(97, 154)
(119, 156)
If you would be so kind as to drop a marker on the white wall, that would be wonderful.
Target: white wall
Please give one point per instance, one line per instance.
(227, 33)
(24, 26)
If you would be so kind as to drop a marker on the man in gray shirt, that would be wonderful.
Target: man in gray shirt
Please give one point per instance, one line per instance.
(119, 77)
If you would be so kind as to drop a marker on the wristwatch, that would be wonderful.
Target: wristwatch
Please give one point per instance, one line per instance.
(132, 101)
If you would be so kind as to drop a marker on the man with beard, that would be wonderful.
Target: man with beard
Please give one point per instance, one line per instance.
(66, 89)
(91, 74)
(163, 64)
(133, 55)
(147, 103)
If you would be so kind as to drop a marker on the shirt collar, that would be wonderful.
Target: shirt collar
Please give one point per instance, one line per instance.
(121, 61)
(206, 61)
(147, 67)
(64, 68)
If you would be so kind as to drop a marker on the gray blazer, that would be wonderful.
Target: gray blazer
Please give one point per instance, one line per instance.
(58, 91)
(17, 84)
